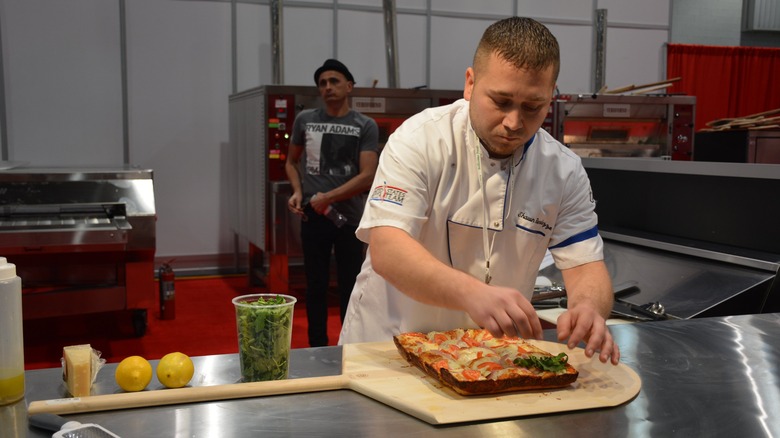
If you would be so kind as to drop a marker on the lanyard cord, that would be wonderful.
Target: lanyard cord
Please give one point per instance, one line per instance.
(487, 247)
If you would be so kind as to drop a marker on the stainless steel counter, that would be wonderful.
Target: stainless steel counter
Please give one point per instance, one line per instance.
(700, 377)
(688, 285)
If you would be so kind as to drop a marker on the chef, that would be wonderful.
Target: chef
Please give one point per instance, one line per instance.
(467, 199)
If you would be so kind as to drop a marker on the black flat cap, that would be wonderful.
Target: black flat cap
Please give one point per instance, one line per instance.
(335, 65)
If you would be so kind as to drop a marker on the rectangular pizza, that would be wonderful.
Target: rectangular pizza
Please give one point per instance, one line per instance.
(473, 362)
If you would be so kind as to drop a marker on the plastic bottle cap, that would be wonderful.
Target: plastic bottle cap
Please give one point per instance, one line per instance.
(7, 270)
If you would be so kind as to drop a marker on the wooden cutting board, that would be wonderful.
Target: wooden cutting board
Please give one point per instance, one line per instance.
(376, 370)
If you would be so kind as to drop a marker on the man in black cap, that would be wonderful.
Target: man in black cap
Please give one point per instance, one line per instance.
(335, 65)
(331, 161)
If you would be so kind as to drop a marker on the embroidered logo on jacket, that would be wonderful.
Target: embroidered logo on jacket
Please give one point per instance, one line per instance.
(385, 193)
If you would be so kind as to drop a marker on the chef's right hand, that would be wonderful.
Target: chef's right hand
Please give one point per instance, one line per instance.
(294, 203)
(504, 311)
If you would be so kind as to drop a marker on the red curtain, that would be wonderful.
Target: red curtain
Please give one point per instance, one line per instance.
(727, 81)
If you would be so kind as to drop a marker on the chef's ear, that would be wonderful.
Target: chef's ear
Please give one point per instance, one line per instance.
(468, 86)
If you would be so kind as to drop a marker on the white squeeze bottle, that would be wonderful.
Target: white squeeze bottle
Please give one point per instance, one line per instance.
(11, 337)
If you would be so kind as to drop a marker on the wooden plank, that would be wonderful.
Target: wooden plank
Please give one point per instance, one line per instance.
(650, 89)
(636, 87)
(379, 372)
(161, 397)
(717, 123)
(376, 370)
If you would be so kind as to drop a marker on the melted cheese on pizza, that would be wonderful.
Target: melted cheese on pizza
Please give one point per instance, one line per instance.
(472, 355)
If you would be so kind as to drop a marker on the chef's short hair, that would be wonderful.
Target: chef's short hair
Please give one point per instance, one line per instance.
(523, 42)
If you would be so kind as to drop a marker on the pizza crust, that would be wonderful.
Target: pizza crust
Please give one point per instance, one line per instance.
(422, 351)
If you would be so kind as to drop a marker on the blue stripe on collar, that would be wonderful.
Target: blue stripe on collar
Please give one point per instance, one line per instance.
(525, 148)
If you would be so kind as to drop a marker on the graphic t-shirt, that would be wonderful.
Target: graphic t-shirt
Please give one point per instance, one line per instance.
(332, 147)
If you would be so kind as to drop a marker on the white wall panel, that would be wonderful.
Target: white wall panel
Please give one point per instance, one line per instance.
(63, 82)
(253, 51)
(558, 9)
(179, 82)
(654, 12)
(708, 22)
(308, 42)
(361, 43)
(370, 3)
(576, 64)
(412, 54)
(635, 56)
(455, 39)
(453, 42)
(503, 8)
(411, 4)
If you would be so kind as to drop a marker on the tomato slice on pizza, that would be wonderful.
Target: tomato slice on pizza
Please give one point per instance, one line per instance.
(473, 362)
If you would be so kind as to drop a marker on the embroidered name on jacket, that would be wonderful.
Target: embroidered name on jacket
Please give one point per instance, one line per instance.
(385, 193)
(532, 224)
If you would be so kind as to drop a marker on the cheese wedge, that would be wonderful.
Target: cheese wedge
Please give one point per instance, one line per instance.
(78, 369)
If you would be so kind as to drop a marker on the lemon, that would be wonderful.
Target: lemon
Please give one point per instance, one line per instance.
(133, 374)
(175, 370)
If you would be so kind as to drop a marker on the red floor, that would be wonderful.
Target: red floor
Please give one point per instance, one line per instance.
(204, 324)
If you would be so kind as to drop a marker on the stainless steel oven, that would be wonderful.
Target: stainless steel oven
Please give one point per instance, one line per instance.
(601, 125)
(83, 240)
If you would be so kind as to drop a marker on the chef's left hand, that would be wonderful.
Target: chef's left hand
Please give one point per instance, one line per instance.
(583, 323)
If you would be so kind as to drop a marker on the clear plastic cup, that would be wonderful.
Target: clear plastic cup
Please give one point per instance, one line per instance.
(264, 323)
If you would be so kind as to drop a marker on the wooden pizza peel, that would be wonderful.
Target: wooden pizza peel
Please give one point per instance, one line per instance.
(377, 371)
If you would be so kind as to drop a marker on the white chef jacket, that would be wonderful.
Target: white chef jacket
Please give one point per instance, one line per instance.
(427, 185)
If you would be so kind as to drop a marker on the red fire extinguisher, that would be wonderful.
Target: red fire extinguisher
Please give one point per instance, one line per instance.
(167, 291)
